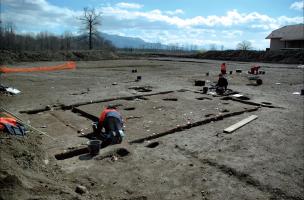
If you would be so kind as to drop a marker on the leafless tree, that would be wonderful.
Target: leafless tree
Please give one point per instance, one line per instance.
(244, 45)
(90, 21)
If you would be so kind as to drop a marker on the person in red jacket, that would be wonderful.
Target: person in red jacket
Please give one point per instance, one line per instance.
(111, 121)
(255, 69)
(223, 68)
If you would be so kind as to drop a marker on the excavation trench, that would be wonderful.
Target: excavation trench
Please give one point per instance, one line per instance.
(191, 125)
(170, 99)
(120, 152)
(268, 105)
(85, 114)
(71, 106)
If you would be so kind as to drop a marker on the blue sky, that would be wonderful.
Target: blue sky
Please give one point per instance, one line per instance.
(184, 22)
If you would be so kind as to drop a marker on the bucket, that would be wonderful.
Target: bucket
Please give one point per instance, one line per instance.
(207, 74)
(230, 72)
(138, 78)
(94, 146)
(238, 71)
(199, 83)
(302, 92)
(205, 90)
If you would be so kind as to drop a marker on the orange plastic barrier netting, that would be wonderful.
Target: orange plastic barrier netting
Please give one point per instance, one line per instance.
(68, 65)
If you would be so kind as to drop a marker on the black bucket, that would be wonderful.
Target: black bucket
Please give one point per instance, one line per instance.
(199, 83)
(94, 146)
(230, 72)
(302, 92)
(138, 78)
(205, 90)
(238, 71)
(207, 74)
(259, 81)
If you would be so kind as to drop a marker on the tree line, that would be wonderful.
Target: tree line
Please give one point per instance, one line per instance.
(46, 41)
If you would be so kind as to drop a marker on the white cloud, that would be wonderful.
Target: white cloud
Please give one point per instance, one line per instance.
(39, 15)
(232, 18)
(298, 5)
(129, 5)
(175, 12)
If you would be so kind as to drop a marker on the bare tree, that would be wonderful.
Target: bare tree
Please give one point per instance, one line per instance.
(90, 21)
(244, 45)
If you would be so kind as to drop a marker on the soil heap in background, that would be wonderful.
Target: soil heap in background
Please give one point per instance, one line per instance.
(286, 56)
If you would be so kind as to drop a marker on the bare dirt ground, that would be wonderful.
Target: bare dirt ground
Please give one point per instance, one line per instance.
(174, 148)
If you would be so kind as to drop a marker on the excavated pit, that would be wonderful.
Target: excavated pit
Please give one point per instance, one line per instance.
(170, 99)
(203, 98)
(266, 103)
(152, 145)
(129, 108)
(142, 88)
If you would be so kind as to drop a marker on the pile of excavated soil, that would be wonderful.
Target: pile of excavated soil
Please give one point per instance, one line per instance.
(288, 57)
(26, 174)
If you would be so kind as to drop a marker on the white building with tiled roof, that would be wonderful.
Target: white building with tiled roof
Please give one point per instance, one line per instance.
(287, 37)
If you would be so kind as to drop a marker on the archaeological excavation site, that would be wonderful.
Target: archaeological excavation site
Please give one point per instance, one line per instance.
(182, 139)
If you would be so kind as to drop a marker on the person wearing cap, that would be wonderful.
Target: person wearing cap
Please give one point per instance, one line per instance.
(111, 121)
(221, 85)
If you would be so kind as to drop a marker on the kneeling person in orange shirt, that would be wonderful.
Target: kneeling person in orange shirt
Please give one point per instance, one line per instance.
(112, 122)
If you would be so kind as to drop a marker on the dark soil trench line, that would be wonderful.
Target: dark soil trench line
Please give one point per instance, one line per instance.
(72, 153)
(64, 122)
(250, 102)
(85, 114)
(276, 193)
(71, 106)
(191, 125)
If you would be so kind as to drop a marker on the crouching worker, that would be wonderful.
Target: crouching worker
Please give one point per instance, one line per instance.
(254, 70)
(111, 121)
(221, 85)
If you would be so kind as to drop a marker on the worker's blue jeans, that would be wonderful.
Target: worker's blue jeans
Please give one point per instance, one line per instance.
(113, 133)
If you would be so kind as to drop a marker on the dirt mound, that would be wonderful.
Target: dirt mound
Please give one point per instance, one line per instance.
(31, 56)
(288, 56)
(25, 173)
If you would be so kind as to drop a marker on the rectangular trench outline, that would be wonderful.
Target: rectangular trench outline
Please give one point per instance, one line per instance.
(243, 177)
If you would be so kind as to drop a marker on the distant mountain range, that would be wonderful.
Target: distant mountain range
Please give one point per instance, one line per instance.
(138, 43)
(130, 42)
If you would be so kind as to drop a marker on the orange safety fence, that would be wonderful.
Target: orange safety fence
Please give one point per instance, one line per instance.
(67, 65)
